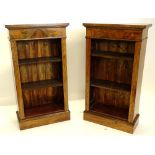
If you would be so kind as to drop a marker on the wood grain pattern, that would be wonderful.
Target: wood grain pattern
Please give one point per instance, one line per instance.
(117, 70)
(116, 98)
(34, 72)
(40, 71)
(110, 110)
(112, 45)
(115, 63)
(132, 32)
(40, 96)
(39, 48)
(117, 34)
(37, 33)
(39, 55)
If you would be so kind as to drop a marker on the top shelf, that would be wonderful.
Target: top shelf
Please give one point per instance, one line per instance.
(113, 55)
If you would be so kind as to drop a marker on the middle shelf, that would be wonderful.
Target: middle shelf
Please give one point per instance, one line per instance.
(42, 84)
(39, 60)
(110, 85)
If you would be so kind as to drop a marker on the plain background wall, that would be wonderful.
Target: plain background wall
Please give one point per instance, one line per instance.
(27, 12)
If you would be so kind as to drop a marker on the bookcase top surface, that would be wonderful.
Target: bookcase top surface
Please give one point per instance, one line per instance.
(29, 26)
(117, 26)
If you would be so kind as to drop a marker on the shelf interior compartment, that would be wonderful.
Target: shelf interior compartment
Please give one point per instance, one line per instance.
(29, 49)
(40, 66)
(114, 70)
(42, 101)
(40, 60)
(43, 110)
(108, 110)
(120, 47)
(114, 103)
(41, 72)
(111, 75)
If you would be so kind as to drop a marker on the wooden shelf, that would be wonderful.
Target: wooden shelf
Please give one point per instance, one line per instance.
(42, 84)
(113, 55)
(110, 85)
(43, 109)
(109, 110)
(39, 60)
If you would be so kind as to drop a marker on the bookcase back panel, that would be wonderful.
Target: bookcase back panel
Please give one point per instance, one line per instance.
(110, 102)
(41, 71)
(114, 98)
(116, 70)
(39, 48)
(113, 45)
(42, 96)
(43, 101)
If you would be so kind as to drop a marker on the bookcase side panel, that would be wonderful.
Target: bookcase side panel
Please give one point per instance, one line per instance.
(64, 70)
(134, 106)
(88, 64)
(17, 79)
(140, 75)
(134, 80)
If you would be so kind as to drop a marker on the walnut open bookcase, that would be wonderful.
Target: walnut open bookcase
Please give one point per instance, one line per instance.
(114, 66)
(40, 69)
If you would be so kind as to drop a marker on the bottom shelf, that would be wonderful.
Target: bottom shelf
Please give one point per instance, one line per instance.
(121, 113)
(43, 110)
